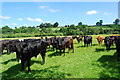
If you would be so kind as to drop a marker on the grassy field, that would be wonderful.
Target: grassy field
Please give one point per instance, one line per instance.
(86, 62)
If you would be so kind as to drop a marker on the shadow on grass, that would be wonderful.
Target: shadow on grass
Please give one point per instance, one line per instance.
(57, 54)
(50, 72)
(32, 61)
(6, 62)
(110, 65)
(4, 53)
(103, 49)
(88, 45)
(100, 49)
(54, 54)
(94, 44)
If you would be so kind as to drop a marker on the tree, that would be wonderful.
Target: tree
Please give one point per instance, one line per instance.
(56, 24)
(116, 21)
(7, 29)
(47, 25)
(97, 23)
(80, 23)
(101, 21)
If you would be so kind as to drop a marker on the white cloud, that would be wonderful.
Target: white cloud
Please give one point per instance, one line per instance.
(53, 10)
(43, 7)
(20, 19)
(5, 17)
(36, 19)
(106, 13)
(14, 24)
(49, 9)
(91, 12)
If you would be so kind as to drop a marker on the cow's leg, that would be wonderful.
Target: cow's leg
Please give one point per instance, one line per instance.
(53, 47)
(84, 44)
(17, 57)
(28, 65)
(87, 45)
(60, 52)
(22, 63)
(91, 43)
(72, 47)
(43, 58)
(56, 49)
(108, 47)
(64, 51)
(68, 50)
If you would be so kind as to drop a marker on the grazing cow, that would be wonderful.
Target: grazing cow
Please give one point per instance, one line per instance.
(4, 44)
(109, 40)
(100, 39)
(74, 37)
(63, 43)
(117, 41)
(54, 42)
(49, 41)
(25, 51)
(79, 38)
(87, 40)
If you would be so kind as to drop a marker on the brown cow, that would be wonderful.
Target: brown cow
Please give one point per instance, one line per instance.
(100, 39)
(63, 43)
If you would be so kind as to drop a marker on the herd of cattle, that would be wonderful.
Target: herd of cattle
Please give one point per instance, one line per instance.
(25, 49)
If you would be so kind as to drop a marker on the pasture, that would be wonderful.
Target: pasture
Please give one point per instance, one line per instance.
(86, 62)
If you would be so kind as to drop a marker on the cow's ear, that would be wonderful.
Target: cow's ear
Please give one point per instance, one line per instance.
(62, 39)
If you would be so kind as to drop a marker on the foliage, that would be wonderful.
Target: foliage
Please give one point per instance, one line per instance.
(80, 23)
(69, 30)
(56, 24)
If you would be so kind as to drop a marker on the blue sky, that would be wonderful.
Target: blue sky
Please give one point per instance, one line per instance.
(35, 13)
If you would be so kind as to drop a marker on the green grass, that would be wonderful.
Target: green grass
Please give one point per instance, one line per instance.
(86, 62)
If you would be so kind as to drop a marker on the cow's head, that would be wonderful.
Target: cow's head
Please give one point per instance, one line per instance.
(10, 48)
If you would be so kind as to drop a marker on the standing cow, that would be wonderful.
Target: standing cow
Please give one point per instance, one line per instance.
(109, 41)
(26, 50)
(87, 40)
(117, 41)
(63, 43)
(79, 38)
(100, 39)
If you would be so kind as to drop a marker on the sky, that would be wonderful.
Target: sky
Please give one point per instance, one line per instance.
(17, 14)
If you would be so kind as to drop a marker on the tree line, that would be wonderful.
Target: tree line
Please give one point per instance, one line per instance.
(48, 29)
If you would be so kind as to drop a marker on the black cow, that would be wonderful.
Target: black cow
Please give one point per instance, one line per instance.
(117, 41)
(74, 37)
(109, 40)
(3, 45)
(25, 51)
(79, 38)
(87, 40)
(49, 41)
(54, 42)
